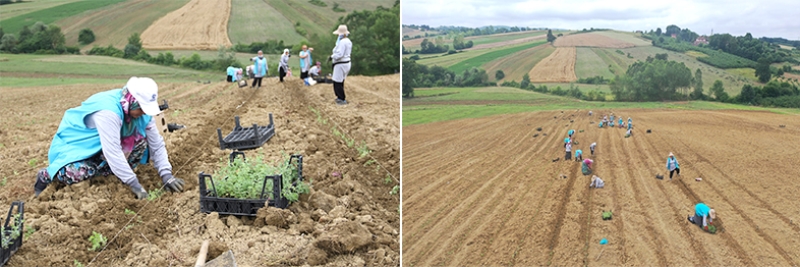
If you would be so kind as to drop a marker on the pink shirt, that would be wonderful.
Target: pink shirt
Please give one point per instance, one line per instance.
(588, 162)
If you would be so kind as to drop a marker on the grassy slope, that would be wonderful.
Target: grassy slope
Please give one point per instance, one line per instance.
(589, 64)
(496, 38)
(516, 65)
(321, 20)
(526, 102)
(16, 9)
(243, 58)
(256, 21)
(450, 60)
(625, 36)
(87, 69)
(478, 61)
(52, 14)
(112, 25)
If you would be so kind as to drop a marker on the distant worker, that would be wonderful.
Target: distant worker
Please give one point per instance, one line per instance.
(111, 132)
(259, 69)
(568, 146)
(586, 166)
(341, 62)
(313, 75)
(567, 140)
(283, 66)
(578, 155)
(305, 61)
(600, 125)
(611, 124)
(672, 165)
(703, 216)
(570, 133)
(590, 113)
(628, 133)
(630, 125)
(592, 146)
(629, 120)
(596, 182)
(620, 123)
(612, 117)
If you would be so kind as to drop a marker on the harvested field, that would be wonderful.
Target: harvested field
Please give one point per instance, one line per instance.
(591, 39)
(558, 67)
(516, 65)
(508, 42)
(169, 230)
(515, 210)
(200, 25)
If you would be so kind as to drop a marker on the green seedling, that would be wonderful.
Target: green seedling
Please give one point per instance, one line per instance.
(4, 181)
(387, 179)
(98, 240)
(243, 179)
(154, 194)
(29, 233)
(369, 162)
(350, 142)
(6, 239)
(130, 212)
(395, 190)
(363, 150)
(76, 263)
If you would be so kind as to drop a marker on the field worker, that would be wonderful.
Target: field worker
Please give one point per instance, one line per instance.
(620, 123)
(570, 133)
(612, 117)
(629, 121)
(590, 113)
(259, 68)
(110, 133)
(578, 155)
(611, 124)
(628, 133)
(630, 125)
(591, 147)
(600, 124)
(283, 65)
(231, 74)
(703, 215)
(567, 140)
(586, 166)
(341, 62)
(313, 75)
(568, 146)
(672, 165)
(305, 61)
(596, 182)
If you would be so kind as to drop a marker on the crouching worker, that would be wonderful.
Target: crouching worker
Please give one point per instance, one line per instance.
(703, 216)
(578, 155)
(586, 166)
(596, 182)
(110, 133)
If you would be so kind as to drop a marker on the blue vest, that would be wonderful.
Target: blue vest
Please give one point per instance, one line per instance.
(74, 141)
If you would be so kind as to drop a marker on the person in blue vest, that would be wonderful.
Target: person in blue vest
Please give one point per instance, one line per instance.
(570, 133)
(305, 61)
(112, 132)
(703, 216)
(260, 68)
(672, 165)
(621, 123)
(578, 155)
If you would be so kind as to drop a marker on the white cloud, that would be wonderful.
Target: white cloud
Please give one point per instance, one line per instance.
(773, 18)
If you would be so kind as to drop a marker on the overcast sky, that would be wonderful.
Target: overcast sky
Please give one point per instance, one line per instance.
(772, 18)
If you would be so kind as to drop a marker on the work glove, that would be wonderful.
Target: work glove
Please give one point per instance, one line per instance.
(139, 191)
(705, 228)
(173, 184)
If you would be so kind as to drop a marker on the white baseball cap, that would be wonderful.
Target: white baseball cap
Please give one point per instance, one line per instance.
(145, 90)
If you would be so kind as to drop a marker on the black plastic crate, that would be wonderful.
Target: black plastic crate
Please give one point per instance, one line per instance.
(13, 246)
(246, 137)
(210, 202)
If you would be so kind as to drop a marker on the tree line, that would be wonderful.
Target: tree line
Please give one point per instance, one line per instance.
(417, 75)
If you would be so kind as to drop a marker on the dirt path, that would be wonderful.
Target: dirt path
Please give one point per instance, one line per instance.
(518, 212)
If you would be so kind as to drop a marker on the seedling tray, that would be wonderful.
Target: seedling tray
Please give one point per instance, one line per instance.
(242, 138)
(13, 246)
(211, 202)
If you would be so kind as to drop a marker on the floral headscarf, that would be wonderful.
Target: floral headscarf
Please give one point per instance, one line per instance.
(132, 129)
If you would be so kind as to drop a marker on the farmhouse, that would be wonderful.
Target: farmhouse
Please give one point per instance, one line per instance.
(701, 40)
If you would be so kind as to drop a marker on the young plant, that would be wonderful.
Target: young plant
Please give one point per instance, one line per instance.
(130, 212)
(33, 162)
(387, 179)
(29, 233)
(7, 238)
(98, 241)
(4, 181)
(363, 150)
(243, 179)
(395, 190)
(154, 194)
(76, 263)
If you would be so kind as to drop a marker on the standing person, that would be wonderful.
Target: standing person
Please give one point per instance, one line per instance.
(305, 61)
(672, 165)
(591, 147)
(259, 68)
(283, 65)
(112, 132)
(578, 155)
(341, 62)
(703, 216)
(568, 146)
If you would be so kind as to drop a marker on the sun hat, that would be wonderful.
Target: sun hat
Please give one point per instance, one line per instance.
(286, 50)
(712, 213)
(145, 91)
(670, 154)
(341, 30)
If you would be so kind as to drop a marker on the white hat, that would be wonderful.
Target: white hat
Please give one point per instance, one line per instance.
(671, 155)
(342, 30)
(145, 91)
(286, 50)
(712, 213)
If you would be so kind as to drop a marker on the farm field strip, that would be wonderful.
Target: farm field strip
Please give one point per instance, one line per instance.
(516, 65)
(482, 59)
(589, 64)
(183, 29)
(247, 15)
(591, 39)
(558, 67)
(50, 14)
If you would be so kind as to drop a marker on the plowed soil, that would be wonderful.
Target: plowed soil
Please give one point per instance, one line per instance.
(557, 67)
(197, 25)
(168, 231)
(590, 40)
(485, 191)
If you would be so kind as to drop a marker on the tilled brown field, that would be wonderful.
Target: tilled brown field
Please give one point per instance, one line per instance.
(485, 191)
(557, 67)
(169, 230)
(196, 25)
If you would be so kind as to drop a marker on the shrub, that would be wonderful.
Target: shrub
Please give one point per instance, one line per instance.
(86, 36)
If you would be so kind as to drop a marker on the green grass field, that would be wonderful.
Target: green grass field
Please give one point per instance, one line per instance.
(450, 60)
(748, 73)
(496, 38)
(478, 61)
(319, 20)
(16, 9)
(243, 58)
(113, 24)
(516, 65)
(415, 111)
(36, 70)
(256, 21)
(52, 14)
(589, 64)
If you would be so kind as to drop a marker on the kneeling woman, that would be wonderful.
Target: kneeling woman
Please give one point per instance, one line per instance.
(110, 133)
